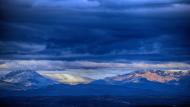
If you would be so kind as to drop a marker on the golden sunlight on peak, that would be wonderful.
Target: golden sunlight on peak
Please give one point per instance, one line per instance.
(155, 77)
(3, 66)
(67, 78)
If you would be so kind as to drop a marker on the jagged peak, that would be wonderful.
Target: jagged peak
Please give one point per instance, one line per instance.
(28, 78)
(20, 72)
(160, 76)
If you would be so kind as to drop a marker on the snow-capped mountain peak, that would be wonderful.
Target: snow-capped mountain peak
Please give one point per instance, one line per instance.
(27, 78)
(152, 75)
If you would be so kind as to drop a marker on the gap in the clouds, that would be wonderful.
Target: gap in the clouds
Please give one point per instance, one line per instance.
(89, 69)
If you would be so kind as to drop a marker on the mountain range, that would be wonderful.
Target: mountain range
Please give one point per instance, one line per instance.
(29, 82)
(159, 76)
(24, 79)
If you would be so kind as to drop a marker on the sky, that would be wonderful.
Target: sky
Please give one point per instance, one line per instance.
(95, 33)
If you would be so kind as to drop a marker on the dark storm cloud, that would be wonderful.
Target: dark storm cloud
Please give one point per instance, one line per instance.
(119, 4)
(103, 29)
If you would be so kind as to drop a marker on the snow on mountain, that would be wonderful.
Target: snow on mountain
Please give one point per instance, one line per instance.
(155, 76)
(26, 78)
(9, 86)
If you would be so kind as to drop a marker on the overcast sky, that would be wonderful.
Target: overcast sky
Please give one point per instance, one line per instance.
(94, 38)
(101, 30)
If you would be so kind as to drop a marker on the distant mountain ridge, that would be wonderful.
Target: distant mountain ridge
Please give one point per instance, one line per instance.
(134, 83)
(26, 78)
(155, 76)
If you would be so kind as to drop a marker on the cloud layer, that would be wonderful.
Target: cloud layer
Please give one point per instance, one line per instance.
(95, 29)
(97, 3)
(62, 70)
(62, 65)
